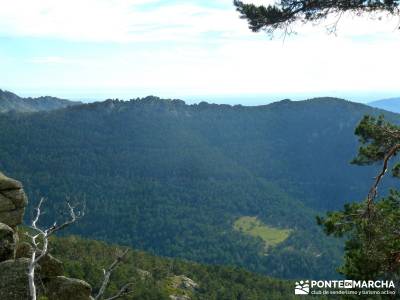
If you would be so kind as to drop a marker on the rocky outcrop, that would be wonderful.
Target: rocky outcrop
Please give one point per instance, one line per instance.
(24, 249)
(14, 279)
(12, 201)
(63, 288)
(15, 255)
(182, 287)
(143, 274)
(181, 297)
(50, 267)
(8, 241)
(185, 283)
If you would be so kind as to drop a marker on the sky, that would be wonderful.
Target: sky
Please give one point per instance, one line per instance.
(195, 50)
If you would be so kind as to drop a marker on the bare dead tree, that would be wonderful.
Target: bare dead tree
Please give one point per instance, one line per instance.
(40, 242)
(124, 290)
(41, 236)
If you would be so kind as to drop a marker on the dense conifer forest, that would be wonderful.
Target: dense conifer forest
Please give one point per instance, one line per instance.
(172, 179)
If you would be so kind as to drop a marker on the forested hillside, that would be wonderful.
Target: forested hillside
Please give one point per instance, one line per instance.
(10, 102)
(173, 179)
(156, 278)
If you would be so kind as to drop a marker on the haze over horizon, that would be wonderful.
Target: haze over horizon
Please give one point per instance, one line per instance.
(192, 50)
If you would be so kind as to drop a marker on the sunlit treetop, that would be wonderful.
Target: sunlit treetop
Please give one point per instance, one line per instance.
(286, 12)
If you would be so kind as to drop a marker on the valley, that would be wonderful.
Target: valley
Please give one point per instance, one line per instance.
(172, 179)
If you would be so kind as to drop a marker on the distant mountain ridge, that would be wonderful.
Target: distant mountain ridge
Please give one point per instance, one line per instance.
(390, 104)
(12, 102)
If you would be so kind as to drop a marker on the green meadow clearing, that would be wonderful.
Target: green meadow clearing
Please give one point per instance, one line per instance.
(270, 235)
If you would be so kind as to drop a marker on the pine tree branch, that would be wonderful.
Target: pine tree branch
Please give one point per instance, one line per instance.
(374, 189)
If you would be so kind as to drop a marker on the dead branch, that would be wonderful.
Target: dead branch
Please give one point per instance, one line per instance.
(125, 290)
(107, 274)
(38, 253)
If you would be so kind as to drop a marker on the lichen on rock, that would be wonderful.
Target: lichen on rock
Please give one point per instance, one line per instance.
(14, 279)
(8, 241)
(24, 249)
(64, 288)
(50, 267)
(13, 201)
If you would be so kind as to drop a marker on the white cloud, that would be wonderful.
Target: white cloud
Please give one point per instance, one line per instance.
(127, 21)
(52, 60)
(112, 20)
(210, 50)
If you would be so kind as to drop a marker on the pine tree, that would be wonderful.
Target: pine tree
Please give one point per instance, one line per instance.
(371, 226)
(286, 12)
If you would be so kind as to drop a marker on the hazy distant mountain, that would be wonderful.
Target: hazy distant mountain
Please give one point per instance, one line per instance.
(12, 102)
(392, 104)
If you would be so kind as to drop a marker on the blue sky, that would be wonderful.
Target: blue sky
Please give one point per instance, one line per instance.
(194, 50)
